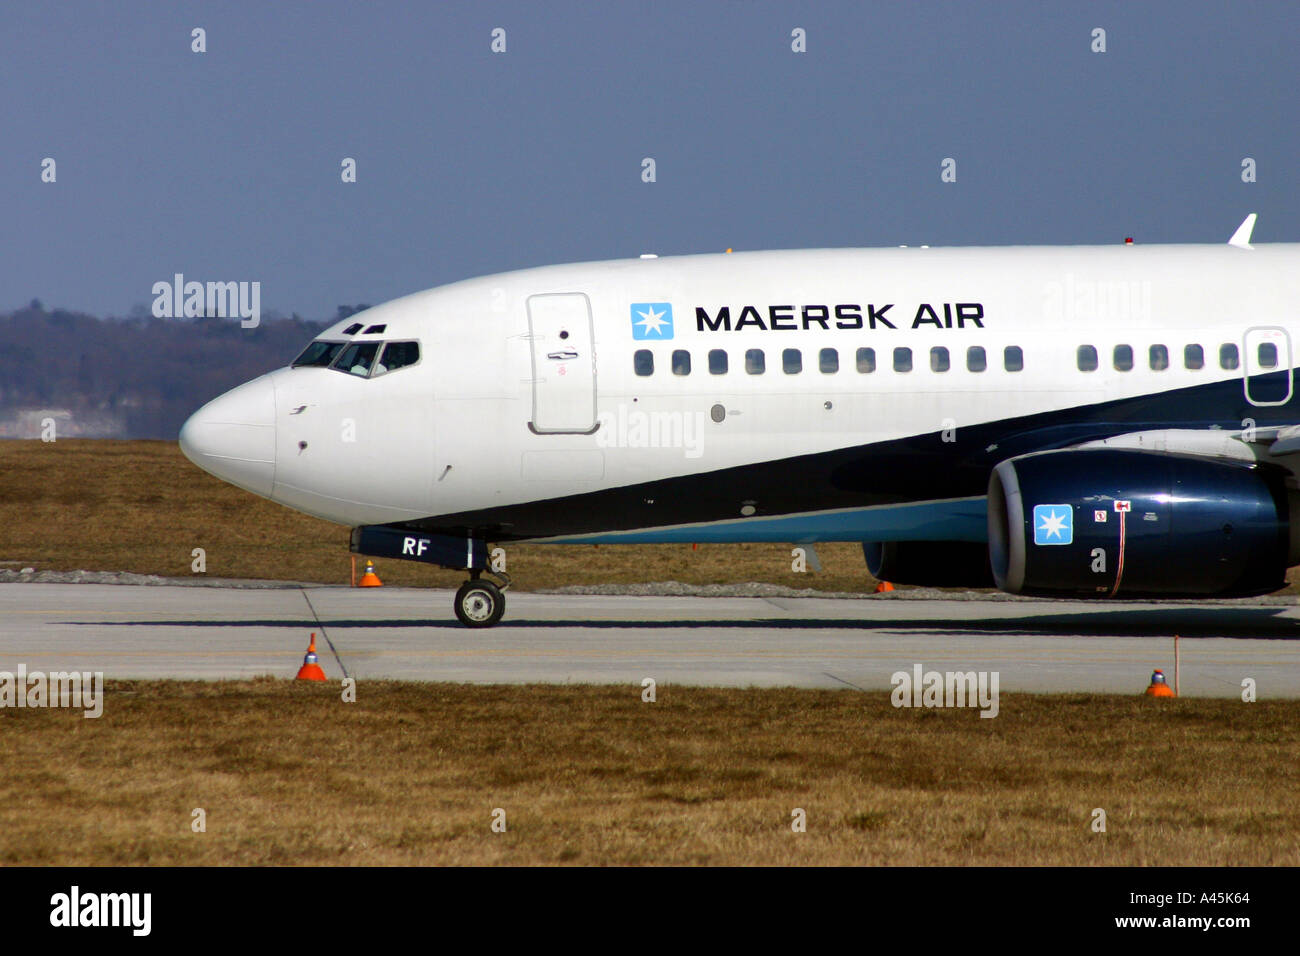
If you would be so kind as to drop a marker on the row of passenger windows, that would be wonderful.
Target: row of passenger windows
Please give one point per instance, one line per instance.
(359, 358)
(828, 360)
(1193, 357)
(1013, 359)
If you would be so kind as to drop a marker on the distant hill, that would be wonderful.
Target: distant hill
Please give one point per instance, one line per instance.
(129, 378)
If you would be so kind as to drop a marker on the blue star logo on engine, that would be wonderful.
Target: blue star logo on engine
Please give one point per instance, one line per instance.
(1053, 524)
(652, 320)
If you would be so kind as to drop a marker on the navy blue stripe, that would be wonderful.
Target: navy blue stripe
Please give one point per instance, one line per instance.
(921, 468)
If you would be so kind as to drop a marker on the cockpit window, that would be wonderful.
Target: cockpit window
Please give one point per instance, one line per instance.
(397, 355)
(318, 354)
(357, 358)
(352, 329)
(363, 359)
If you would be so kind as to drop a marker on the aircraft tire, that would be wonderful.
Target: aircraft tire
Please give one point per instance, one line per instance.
(479, 603)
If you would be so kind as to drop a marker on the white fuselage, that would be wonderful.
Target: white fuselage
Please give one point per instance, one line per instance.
(526, 390)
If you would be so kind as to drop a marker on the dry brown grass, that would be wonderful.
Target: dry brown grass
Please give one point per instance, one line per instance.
(410, 774)
(141, 506)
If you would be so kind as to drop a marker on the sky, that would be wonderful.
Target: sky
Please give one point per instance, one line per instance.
(225, 165)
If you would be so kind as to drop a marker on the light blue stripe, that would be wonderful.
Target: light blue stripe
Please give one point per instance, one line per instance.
(963, 520)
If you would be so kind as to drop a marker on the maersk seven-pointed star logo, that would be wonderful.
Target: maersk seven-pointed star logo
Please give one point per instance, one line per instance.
(652, 320)
(1053, 524)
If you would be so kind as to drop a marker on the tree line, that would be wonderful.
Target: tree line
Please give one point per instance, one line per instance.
(148, 373)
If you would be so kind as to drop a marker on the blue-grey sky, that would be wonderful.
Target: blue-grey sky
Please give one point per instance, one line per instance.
(225, 165)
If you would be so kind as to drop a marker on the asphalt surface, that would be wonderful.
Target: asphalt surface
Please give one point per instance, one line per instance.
(165, 631)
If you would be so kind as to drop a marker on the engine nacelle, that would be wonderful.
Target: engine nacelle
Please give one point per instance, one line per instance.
(1108, 523)
(936, 564)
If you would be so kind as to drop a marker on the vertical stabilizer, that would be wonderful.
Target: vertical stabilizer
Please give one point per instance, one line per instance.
(1241, 238)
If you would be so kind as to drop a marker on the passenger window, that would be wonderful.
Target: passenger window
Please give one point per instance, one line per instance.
(681, 362)
(1013, 358)
(717, 362)
(357, 359)
(1193, 357)
(1267, 355)
(828, 360)
(792, 361)
(397, 355)
(1158, 356)
(755, 363)
(976, 360)
(1122, 358)
(1228, 356)
(1087, 358)
(866, 360)
(939, 359)
(643, 361)
(318, 354)
(902, 360)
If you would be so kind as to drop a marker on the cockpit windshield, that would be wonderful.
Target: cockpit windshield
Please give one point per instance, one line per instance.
(358, 357)
(398, 355)
(318, 354)
(362, 359)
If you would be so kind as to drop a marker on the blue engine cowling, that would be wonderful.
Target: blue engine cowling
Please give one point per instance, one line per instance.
(1112, 523)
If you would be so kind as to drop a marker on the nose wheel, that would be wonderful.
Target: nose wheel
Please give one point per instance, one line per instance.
(479, 603)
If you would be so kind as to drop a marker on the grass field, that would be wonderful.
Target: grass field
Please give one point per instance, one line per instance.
(142, 506)
(411, 774)
(287, 773)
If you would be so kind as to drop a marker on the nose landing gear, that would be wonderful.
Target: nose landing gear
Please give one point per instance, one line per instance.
(481, 603)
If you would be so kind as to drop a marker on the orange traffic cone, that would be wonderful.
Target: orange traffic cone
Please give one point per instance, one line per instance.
(884, 586)
(370, 579)
(310, 670)
(1159, 687)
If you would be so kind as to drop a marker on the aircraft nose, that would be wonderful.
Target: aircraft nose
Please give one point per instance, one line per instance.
(233, 436)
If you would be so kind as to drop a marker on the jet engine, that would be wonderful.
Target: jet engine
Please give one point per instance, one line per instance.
(1118, 523)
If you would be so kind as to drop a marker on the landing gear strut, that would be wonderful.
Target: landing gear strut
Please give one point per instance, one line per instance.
(481, 603)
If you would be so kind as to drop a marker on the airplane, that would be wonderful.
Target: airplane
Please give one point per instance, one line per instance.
(1115, 421)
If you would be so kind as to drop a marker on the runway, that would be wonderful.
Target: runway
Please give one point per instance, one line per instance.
(411, 634)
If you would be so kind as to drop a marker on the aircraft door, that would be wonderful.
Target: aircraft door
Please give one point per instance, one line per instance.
(564, 363)
(1266, 365)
